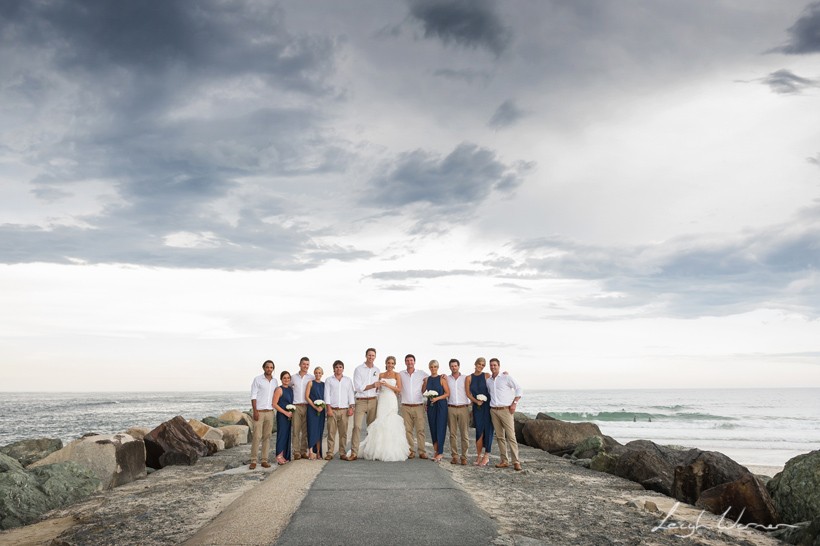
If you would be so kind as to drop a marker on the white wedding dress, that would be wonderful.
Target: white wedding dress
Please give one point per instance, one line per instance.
(386, 439)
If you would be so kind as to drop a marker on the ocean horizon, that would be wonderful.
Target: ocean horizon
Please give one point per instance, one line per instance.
(761, 426)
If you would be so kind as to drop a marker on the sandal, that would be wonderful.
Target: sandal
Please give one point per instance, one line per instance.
(485, 461)
(280, 460)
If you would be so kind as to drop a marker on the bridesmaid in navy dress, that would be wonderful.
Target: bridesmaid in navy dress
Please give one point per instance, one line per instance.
(315, 414)
(437, 409)
(282, 397)
(476, 384)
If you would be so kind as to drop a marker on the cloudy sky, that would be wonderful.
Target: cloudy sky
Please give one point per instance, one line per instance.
(601, 194)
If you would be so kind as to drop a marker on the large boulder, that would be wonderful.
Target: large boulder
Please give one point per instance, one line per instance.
(234, 435)
(173, 442)
(557, 437)
(115, 459)
(642, 461)
(796, 490)
(25, 495)
(237, 417)
(704, 470)
(204, 431)
(518, 422)
(594, 445)
(745, 500)
(138, 433)
(545, 416)
(29, 451)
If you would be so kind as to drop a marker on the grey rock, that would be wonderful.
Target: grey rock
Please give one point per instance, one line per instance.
(642, 461)
(545, 416)
(796, 490)
(29, 451)
(25, 495)
(518, 421)
(593, 445)
(557, 437)
(9, 464)
(115, 459)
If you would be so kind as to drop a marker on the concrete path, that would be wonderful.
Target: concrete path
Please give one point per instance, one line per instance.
(372, 502)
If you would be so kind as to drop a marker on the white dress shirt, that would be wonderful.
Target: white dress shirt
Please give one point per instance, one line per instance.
(458, 394)
(262, 391)
(299, 385)
(411, 386)
(503, 390)
(364, 376)
(339, 392)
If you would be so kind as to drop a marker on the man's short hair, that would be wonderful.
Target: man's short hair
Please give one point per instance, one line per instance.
(339, 363)
(455, 360)
(408, 355)
(368, 350)
(495, 360)
(266, 362)
(304, 359)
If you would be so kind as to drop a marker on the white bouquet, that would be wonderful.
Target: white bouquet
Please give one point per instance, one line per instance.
(481, 398)
(429, 395)
(320, 404)
(290, 407)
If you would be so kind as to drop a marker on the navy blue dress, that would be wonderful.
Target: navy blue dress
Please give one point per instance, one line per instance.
(437, 414)
(316, 423)
(283, 424)
(481, 414)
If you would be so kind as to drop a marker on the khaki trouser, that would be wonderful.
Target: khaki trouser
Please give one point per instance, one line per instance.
(458, 420)
(299, 431)
(363, 406)
(504, 426)
(337, 423)
(262, 430)
(414, 418)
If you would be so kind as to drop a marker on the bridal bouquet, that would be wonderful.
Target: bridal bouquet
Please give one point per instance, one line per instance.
(320, 404)
(481, 398)
(290, 407)
(429, 395)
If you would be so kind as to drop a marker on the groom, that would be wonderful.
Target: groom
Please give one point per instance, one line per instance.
(365, 381)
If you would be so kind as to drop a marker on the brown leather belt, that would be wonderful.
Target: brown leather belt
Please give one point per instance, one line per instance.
(500, 408)
(304, 404)
(457, 405)
(412, 405)
(334, 407)
(264, 410)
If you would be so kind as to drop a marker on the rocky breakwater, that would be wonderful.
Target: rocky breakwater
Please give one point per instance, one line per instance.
(40, 475)
(706, 479)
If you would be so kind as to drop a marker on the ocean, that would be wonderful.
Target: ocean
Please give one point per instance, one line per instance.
(763, 427)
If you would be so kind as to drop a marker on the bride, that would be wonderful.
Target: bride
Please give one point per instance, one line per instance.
(386, 439)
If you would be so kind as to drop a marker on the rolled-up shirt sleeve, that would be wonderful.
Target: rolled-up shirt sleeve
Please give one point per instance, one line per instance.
(519, 392)
(254, 389)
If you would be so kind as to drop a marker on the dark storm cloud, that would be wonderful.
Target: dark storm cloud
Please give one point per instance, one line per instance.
(804, 35)
(506, 115)
(172, 104)
(462, 179)
(691, 277)
(788, 83)
(469, 23)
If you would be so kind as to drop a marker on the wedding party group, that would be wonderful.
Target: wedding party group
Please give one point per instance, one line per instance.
(394, 405)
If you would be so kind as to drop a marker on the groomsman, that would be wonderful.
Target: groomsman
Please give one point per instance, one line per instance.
(299, 382)
(458, 414)
(365, 382)
(505, 392)
(412, 405)
(262, 402)
(340, 401)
